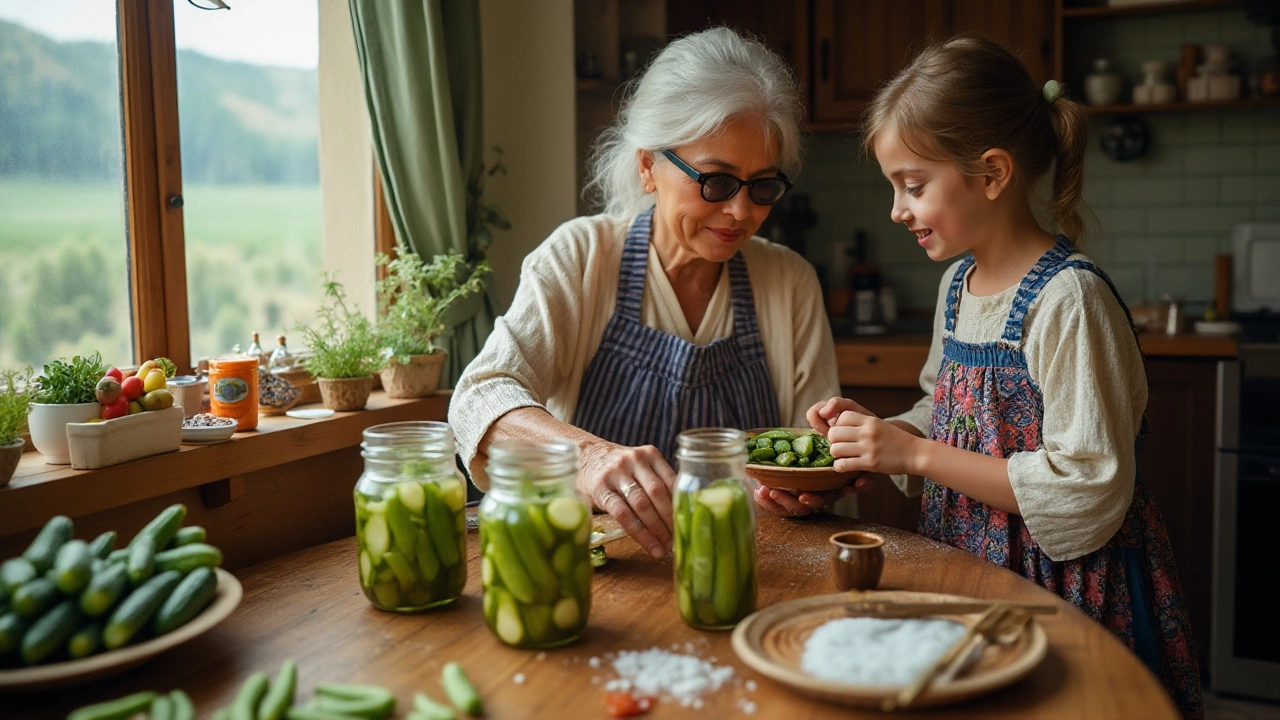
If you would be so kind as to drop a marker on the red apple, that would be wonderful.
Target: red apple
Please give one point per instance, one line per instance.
(115, 373)
(108, 390)
(119, 408)
(132, 387)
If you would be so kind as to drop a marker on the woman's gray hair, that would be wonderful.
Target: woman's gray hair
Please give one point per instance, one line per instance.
(696, 84)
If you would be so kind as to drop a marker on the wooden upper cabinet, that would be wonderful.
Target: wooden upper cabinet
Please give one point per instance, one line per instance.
(1026, 28)
(783, 25)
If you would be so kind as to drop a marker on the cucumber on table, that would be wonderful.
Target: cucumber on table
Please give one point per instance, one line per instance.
(138, 608)
(362, 701)
(117, 709)
(461, 692)
(427, 709)
(280, 695)
(251, 692)
(44, 548)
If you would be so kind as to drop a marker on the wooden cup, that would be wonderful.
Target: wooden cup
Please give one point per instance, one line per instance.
(857, 559)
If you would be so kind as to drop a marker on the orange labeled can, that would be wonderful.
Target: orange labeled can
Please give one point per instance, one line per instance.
(233, 389)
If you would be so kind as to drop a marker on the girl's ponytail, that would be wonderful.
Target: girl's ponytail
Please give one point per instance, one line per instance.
(1070, 134)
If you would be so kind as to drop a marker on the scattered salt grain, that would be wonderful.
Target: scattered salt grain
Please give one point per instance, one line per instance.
(874, 651)
(697, 704)
(751, 686)
(541, 656)
(594, 662)
(664, 674)
(519, 678)
(747, 707)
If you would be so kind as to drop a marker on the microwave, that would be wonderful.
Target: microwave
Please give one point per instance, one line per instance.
(1256, 275)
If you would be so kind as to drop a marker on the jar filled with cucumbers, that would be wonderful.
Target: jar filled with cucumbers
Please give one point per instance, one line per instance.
(411, 524)
(715, 541)
(535, 563)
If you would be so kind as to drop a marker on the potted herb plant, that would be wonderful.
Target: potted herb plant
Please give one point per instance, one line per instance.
(65, 395)
(345, 351)
(16, 391)
(413, 301)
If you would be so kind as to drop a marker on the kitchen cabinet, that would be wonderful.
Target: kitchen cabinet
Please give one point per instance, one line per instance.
(783, 26)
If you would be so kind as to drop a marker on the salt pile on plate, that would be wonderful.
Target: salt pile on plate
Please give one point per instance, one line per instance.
(875, 651)
(665, 674)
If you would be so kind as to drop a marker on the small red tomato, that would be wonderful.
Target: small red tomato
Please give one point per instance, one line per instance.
(119, 408)
(132, 387)
(116, 373)
(621, 704)
(108, 390)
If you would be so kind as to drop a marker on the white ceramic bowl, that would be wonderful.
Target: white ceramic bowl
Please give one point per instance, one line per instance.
(206, 435)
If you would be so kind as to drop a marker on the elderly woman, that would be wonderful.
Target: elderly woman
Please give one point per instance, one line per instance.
(666, 312)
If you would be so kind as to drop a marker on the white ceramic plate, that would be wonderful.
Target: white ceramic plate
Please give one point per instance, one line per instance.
(309, 413)
(94, 667)
(207, 435)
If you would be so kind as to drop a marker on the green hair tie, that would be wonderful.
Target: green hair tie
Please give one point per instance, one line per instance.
(1052, 90)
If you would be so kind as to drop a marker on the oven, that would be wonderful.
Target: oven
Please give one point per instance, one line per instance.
(1245, 644)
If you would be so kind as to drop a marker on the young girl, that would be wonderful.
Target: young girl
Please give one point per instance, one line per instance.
(1030, 435)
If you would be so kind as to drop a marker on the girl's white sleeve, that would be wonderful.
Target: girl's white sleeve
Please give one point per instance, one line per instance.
(1073, 492)
(531, 346)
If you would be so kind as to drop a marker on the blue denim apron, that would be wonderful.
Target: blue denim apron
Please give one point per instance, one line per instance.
(645, 386)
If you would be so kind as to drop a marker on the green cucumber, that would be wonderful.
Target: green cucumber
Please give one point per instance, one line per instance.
(510, 570)
(44, 548)
(728, 586)
(778, 434)
(188, 535)
(118, 709)
(85, 641)
(102, 545)
(163, 527)
(252, 690)
(12, 627)
(105, 587)
(161, 708)
(400, 522)
(73, 566)
(428, 709)
(137, 609)
(120, 555)
(192, 595)
(428, 563)
(538, 517)
(188, 557)
(441, 526)
(566, 513)
(50, 632)
(532, 556)
(280, 696)
(460, 690)
(183, 708)
(803, 445)
(141, 562)
(15, 572)
(363, 701)
(35, 597)
(701, 558)
(309, 712)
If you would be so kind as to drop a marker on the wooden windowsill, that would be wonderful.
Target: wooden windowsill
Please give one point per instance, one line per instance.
(39, 490)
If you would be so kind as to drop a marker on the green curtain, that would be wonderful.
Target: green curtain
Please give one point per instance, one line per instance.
(421, 65)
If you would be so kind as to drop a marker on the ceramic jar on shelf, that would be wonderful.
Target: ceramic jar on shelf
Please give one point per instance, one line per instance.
(1214, 80)
(1155, 88)
(1102, 86)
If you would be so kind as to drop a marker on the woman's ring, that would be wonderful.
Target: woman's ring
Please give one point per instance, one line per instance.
(626, 488)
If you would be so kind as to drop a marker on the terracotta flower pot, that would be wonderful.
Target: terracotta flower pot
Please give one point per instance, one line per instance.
(419, 378)
(9, 456)
(48, 425)
(345, 394)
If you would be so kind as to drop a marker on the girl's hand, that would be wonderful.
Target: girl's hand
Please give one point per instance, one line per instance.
(864, 442)
(791, 504)
(634, 485)
(824, 414)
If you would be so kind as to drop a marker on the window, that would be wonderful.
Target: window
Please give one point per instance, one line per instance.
(64, 275)
(159, 177)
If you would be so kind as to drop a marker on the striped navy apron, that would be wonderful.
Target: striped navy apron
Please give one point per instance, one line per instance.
(644, 386)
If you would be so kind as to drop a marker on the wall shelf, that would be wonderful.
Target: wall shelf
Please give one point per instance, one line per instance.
(1105, 11)
(1180, 106)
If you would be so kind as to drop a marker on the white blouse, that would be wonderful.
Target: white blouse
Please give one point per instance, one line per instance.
(539, 350)
(1073, 492)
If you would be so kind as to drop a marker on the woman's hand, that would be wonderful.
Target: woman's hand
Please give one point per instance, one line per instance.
(822, 416)
(791, 504)
(861, 442)
(634, 485)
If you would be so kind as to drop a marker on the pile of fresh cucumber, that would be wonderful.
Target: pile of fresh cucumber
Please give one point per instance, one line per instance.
(786, 449)
(67, 599)
(262, 699)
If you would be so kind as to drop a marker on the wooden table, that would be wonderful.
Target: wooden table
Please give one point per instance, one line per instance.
(308, 606)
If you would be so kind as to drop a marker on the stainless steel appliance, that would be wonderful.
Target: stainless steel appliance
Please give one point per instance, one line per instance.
(1245, 652)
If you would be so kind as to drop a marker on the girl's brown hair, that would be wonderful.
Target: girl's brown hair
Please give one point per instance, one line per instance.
(962, 97)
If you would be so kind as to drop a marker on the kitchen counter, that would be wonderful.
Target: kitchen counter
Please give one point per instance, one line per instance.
(895, 360)
(308, 606)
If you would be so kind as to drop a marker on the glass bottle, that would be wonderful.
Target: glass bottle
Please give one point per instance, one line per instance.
(281, 358)
(411, 524)
(255, 351)
(714, 545)
(535, 562)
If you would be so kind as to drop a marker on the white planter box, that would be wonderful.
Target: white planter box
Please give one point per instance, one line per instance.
(48, 425)
(111, 442)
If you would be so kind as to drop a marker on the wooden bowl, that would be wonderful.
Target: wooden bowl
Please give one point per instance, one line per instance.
(799, 479)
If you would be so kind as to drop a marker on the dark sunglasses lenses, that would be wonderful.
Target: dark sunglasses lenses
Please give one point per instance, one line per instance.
(765, 191)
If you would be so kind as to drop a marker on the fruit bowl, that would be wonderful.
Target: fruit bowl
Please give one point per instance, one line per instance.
(110, 442)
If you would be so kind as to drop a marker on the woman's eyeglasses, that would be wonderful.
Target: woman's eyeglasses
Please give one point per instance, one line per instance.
(719, 187)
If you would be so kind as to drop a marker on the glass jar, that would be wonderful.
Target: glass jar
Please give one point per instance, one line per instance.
(535, 561)
(233, 389)
(411, 524)
(715, 538)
